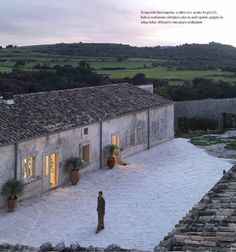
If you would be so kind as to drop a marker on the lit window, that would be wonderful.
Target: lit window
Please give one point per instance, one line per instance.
(28, 167)
(85, 131)
(85, 153)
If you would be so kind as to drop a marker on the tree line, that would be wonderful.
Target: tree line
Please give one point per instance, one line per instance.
(65, 77)
(20, 81)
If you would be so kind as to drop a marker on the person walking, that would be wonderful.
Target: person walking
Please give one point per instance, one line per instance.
(101, 211)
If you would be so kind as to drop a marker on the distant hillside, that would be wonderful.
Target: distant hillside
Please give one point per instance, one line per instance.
(187, 56)
(183, 72)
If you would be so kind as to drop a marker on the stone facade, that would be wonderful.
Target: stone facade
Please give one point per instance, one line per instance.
(7, 165)
(136, 130)
(70, 142)
(161, 124)
(211, 224)
(126, 128)
(209, 108)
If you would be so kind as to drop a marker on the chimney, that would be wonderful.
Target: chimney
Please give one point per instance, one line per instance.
(147, 87)
(8, 98)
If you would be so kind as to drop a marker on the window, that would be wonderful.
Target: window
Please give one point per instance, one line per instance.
(85, 153)
(85, 131)
(138, 136)
(28, 167)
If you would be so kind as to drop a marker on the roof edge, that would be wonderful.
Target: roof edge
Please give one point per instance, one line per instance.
(71, 89)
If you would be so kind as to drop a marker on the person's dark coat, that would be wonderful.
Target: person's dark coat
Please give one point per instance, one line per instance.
(101, 206)
(101, 213)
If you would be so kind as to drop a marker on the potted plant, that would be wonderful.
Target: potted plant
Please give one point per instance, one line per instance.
(111, 160)
(72, 166)
(12, 188)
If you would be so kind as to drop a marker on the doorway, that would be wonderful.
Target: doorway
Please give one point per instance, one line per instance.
(115, 139)
(52, 169)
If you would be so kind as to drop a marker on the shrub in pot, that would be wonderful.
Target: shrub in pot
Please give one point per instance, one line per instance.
(111, 160)
(72, 166)
(11, 189)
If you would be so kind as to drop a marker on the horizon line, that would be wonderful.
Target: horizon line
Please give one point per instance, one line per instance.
(117, 43)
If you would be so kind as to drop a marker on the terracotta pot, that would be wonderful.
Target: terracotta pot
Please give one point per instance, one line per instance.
(111, 161)
(74, 176)
(12, 204)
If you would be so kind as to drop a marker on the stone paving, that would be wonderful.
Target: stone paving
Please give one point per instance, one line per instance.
(144, 200)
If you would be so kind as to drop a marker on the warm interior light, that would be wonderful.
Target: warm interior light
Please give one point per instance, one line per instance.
(25, 168)
(47, 166)
(28, 167)
(116, 140)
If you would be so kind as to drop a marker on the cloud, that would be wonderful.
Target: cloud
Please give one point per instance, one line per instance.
(25, 22)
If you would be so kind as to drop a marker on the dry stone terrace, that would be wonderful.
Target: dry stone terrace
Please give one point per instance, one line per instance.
(211, 224)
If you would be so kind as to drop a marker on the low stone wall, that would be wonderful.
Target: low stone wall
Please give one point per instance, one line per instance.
(208, 108)
(211, 224)
(61, 247)
(17, 247)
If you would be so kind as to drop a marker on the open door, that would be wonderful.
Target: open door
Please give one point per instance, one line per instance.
(52, 169)
(116, 141)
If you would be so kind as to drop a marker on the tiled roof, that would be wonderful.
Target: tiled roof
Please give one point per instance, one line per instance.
(211, 224)
(41, 113)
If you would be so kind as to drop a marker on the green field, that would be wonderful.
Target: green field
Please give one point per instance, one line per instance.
(5, 69)
(113, 68)
(158, 73)
(128, 64)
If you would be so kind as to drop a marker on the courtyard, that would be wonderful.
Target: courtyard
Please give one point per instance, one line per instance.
(144, 200)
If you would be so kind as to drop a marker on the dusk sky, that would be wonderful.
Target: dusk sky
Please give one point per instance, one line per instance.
(28, 22)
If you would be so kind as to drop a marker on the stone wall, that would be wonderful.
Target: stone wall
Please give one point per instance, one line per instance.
(161, 129)
(209, 108)
(61, 247)
(211, 224)
(65, 144)
(125, 127)
(161, 124)
(133, 130)
(7, 166)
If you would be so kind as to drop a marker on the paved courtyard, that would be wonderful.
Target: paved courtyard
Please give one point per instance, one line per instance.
(144, 201)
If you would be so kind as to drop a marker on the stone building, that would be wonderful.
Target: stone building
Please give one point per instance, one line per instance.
(40, 131)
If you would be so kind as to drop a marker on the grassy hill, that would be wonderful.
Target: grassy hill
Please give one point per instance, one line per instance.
(176, 64)
(194, 56)
(184, 72)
